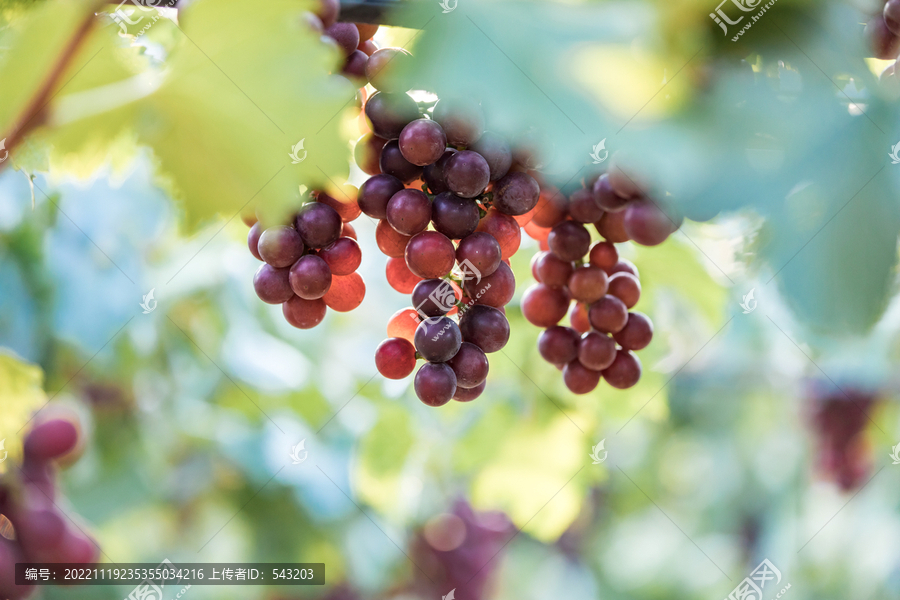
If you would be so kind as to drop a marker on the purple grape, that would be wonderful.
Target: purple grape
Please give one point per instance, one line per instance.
(253, 239)
(355, 66)
(496, 152)
(435, 384)
(393, 163)
(462, 120)
(422, 142)
(409, 211)
(569, 240)
(433, 174)
(482, 251)
(375, 194)
(559, 345)
(280, 246)
(346, 35)
(583, 208)
(467, 174)
(310, 277)
(484, 326)
(516, 193)
(319, 225)
(438, 339)
(470, 365)
(606, 198)
(272, 285)
(433, 297)
(468, 394)
(389, 113)
(455, 217)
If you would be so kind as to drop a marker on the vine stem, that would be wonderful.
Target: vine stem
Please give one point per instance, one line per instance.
(33, 110)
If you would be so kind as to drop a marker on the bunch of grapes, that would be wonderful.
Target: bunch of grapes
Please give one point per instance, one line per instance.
(883, 31)
(32, 528)
(310, 263)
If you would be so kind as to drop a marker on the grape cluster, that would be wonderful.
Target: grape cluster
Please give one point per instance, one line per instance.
(883, 31)
(39, 531)
(310, 263)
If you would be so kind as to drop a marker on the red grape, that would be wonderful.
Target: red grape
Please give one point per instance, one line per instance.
(272, 285)
(409, 211)
(624, 372)
(343, 257)
(482, 251)
(435, 384)
(623, 265)
(569, 240)
(582, 207)
(559, 345)
(596, 351)
(345, 206)
(608, 314)
(399, 276)
(395, 358)
(468, 394)
(430, 255)
(606, 198)
(50, 439)
(438, 339)
(551, 208)
(552, 270)
(403, 324)
(366, 31)
(467, 174)
(387, 70)
(588, 284)
(346, 292)
(422, 142)
(280, 246)
(368, 154)
(495, 290)
(637, 333)
(390, 242)
(626, 287)
(461, 118)
(433, 174)
(484, 326)
(318, 224)
(579, 379)
(612, 227)
(578, 317)
(604, 255)
(504, 229)
(470, 365)
(389, 113)
(304, 314)
(647, 224)
(310, 277)
(544, 306)
(253, 239)
(455, 217)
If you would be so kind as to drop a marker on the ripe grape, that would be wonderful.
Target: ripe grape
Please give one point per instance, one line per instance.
(495, 290)
(552, 270)
(328, 11)
(470, 365)
(462, 120)
(637, 333)
(569, 240)
(559, 345)
(623, 265)
(504, 229)
(579, 379)
(435, 384)
(50, 439)
(422, 142)
(891, 15)
(612, 227)
(355, 67)
(885, 44)
(399, 276)
(623, 184)
(582, 207)
(551, 208)
(343, 257)
(253, 239)
(434, 297)
(280, 246)
(390, 242)
(647, 224)
(304, 314)
(395, 358)
(345, 205)
(596, 351)
(624, 372)
(484, 326)
(433, 174)
(468, 394)
(578, 317)
(389, 113)
(544, 306)
(516, 193)
(403, 323)
(387, 70)
(310, 277)
(606, 198)
(346, 292)
(409, 211)
(368, 153)
(438, 339)
(626, 287)
(430, 255)
(393, 163)
(482, 251)
(496, 152)
(368, 47)
(588, 284)
(366, 31)
(348, 231)
(604, 255)
(272, 285)
(318, 224)
(608, 314)
(455, 217)
(467, 174)
(346, 35)
(375, 194)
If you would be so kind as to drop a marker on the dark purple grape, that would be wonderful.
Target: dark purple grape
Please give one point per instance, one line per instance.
(884, 43)
(637, 333)
(647, 224)
(468, 394)
(435, 384)
(484, 326)
(516, 193)
(310, 277)
(467, 174)
(559, 345)
(389, 113)
(433, 297)
(579, 379)
(596, 351)
(272, 285)
(346, 35)
(455, 217)
(891, 14)
(318, 224)
(409, 211)
(433, 174)
(422, 142)
(375, 194)
(470, 365)
(438, 339)
(569, 240)
(393, 163)
(480, 250)
(253, 239)
(355, 67)
(608, 314)
(582, 207)
(496, 152)
(606, 198)
(280, 246)
(624, 372)
(462, 120)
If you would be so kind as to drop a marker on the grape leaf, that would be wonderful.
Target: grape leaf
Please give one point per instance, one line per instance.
(20, 388)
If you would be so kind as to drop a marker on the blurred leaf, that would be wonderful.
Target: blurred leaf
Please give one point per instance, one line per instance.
(22, 394)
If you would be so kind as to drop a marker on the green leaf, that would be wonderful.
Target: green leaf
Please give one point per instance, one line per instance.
(22, 394)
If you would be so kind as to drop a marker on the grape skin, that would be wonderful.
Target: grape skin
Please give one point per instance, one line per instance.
(272, 285)
(544, 306)
(569, 240)
(505, 230)
(399, 276)
(579, 379)
(430, 255)
(346, 292)
(435, 384)
(346, 35)
(304, 314)
(467, 174)
(409, 211)
(647, 224)
(468, 394)
(484, 326)
(553, 271)
(558, 345)
(393, 163)
(494, 290)
(582, 207)
(390, 242)
(433, 174)
(343, 257)
(612, 227)
(588, 284)
(422, 297)
(516, 193)
(280, 246)
(455, 217)
(604, 255)
(482, 251)
(386, 70)
(624, 372)
(637, 333)
(438, 339)
(375, 194)
(462, 120)
(606, 198)
(389, 113)
(470, 364)
(310, 277)
(596, 351)
(367, 153)
(626, 287)
(422, 142)
(608, 314)
(318, 224)
(395, 358)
